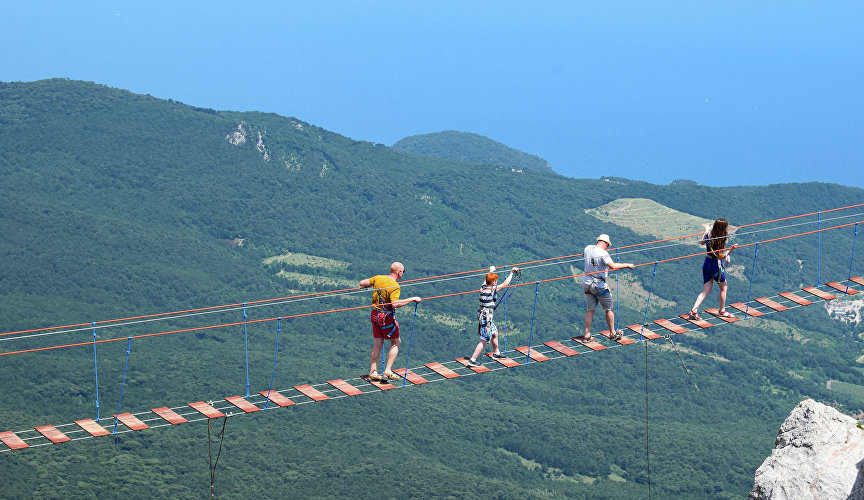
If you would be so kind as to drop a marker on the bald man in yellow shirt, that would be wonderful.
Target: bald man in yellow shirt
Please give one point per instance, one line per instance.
(385, 301)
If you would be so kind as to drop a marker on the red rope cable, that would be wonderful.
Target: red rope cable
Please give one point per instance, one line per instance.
(316, 313)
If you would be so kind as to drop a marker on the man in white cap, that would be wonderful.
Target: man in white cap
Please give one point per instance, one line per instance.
(597, 266)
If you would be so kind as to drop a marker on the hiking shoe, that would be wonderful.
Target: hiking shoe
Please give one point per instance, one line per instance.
(694, 315)
(498, 355)
(473, 362)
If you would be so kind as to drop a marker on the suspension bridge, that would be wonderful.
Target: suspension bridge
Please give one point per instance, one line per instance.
(268, 399)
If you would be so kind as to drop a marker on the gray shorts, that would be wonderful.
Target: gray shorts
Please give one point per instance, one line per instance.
(597, 293)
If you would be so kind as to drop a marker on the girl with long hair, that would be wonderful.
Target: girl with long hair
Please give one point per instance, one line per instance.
(714, 267)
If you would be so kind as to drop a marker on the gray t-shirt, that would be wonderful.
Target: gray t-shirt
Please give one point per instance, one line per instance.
(596, 259)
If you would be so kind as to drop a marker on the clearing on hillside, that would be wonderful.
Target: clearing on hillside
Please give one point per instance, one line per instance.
(648, 217)
(299, 259)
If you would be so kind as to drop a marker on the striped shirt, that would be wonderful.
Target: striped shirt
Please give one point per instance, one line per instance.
(487, 300)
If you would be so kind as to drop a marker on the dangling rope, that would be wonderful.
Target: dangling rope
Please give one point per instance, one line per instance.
(123, 383)
(246, 346)
(410, 340)
(641, 339)
(96, 371)
(221, 436)
(531, 334)
(855, 237)
(275, 357)
(668, 337)
(752, 274)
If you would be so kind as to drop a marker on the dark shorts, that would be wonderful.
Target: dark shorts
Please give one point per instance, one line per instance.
(711, 270)
(384, 325)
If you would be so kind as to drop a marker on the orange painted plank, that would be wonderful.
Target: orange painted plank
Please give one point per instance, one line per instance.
(441, 370)
(476, 369)
(384, 385)
(843, 288)
(590, 344)
(313, 393)
(92, 427)
(51, 432)
(412, 377)
(13, 441)
(532, 353)
(207, 410)
(765, 301)
(345, 387)
(796, 299)
(131, 421)
(716, 313)
(749, 311)
(857, 279)
(563, 349)
(509, 363)
(672, 327)
(241, 403)
(623, 340)
(170, 415)
(277, 398)
(819, 293)
(701, 323)
(648, 334)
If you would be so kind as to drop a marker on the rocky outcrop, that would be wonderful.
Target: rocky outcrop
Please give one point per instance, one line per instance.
(818, 454)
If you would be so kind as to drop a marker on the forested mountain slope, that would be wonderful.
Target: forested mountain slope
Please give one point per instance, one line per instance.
(115, 204)
(465, 146)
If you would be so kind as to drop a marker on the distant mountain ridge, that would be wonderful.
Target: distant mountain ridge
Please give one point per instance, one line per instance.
(466, 146)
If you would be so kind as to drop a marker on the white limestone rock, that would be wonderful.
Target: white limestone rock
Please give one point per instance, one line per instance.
(818, 454)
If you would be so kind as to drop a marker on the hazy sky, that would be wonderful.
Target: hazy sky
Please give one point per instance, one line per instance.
(721, 92)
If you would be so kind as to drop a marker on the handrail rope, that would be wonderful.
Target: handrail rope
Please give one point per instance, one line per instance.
(617, 292)
(123, 383)
(246, 347)
(96, 372)
(275, 357)
(530, 335)
(410, 341)
(212, 308)
(315, 313)
(819, 239)
(752, 277)
(648, 302)
(855, 237)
